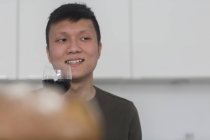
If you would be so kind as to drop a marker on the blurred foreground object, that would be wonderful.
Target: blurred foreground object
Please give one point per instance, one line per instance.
(46, 115)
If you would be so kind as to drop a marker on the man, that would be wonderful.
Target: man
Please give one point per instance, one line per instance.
(73, 38)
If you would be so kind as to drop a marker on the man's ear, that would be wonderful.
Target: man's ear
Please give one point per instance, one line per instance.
(48, 53)
(99, 49)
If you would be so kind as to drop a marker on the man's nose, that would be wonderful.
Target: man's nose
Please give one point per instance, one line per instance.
(73, 47)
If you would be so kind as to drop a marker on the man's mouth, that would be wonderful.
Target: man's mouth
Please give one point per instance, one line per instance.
(76, 61)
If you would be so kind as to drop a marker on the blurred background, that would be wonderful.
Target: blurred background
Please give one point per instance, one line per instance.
(155, 53)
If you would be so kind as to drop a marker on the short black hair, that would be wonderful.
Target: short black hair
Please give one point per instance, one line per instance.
(73, 12)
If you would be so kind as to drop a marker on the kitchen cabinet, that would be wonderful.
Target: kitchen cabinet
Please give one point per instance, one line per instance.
(140, 39)
(171, 39)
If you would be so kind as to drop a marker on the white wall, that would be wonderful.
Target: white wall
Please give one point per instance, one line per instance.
(168, 111)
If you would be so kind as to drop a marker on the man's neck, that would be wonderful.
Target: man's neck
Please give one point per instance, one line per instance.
(83, 89)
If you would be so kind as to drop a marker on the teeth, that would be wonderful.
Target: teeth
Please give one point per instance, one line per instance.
(74, 61)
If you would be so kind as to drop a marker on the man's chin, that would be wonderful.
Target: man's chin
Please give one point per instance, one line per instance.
(76, 79)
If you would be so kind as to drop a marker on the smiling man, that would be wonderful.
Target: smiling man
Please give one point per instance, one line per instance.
(73, 38)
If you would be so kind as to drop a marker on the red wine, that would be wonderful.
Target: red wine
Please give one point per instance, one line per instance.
(63, 84)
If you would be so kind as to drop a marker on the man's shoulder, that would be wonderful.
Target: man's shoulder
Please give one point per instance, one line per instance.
(108, 98)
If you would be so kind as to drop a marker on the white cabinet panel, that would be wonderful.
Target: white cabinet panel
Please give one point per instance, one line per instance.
(114, 23)
(8, 9)
(171, 38)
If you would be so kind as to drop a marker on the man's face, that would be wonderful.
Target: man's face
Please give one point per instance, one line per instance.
(75, 44)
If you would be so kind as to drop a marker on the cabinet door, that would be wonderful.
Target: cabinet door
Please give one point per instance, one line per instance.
(171, 38)
(114, 61)
(8, 39)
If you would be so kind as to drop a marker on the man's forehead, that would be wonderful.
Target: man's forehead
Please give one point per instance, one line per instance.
(81, 26)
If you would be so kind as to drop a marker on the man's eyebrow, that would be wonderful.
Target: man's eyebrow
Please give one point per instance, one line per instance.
(62, 33)
(84, 31)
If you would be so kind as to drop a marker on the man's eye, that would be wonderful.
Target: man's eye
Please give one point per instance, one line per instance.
(85, 38)
(61, 40)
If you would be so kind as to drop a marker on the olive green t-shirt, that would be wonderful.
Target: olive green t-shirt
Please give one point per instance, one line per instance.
(121, 118)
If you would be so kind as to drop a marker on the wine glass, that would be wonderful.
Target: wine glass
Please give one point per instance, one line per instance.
(58, 77)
